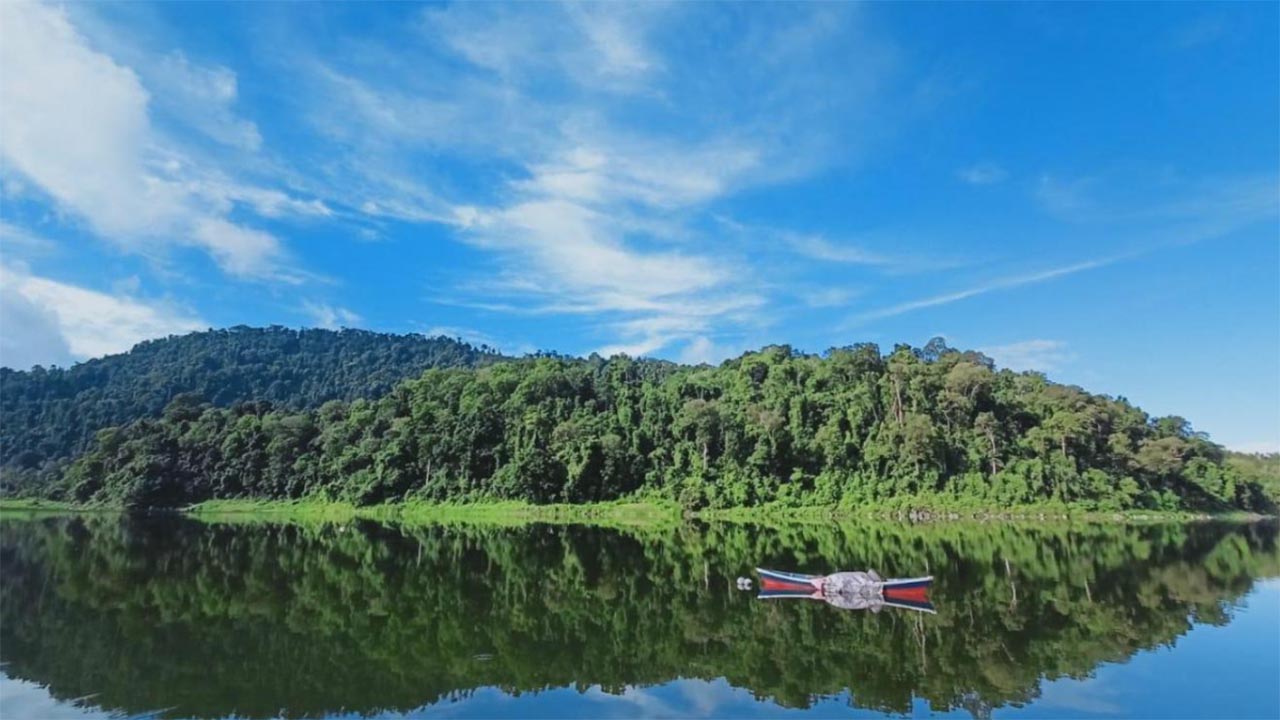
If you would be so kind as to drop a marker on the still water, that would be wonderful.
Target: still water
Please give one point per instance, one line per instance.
(104, 616)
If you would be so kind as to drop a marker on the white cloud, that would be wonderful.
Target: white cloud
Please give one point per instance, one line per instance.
(647, 334)
(53, 82)
(1042, 355)
(595, 168)
(330, 317)
(46, 321)
(29, 333)
(984, 173)
(564, 240)
(241, 251)
(224, 194)
(698, 350)
(76, 123)
(572, 244)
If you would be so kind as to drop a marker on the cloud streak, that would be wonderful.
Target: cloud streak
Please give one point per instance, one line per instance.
(1004, 283)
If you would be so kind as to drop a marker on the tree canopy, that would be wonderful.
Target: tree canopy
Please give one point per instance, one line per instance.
(852, 426)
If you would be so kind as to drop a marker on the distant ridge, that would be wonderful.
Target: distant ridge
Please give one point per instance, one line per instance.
(49, 415)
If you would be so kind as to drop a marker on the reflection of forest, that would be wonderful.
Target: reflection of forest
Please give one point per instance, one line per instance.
(256, 620)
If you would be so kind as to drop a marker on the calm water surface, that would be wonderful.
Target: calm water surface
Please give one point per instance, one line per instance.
(165, 617)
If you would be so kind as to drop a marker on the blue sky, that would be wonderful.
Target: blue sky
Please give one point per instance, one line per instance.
(1088, 190)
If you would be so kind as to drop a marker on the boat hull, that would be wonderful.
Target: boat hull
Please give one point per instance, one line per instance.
(912, 593)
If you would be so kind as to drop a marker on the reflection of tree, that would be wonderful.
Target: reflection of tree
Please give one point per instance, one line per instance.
(222, 619)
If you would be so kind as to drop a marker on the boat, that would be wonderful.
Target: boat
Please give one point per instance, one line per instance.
(849, 590)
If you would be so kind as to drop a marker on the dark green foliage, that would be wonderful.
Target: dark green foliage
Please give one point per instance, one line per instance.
(172, 618)
(851, 427)
(49, 415)
(1261, 468)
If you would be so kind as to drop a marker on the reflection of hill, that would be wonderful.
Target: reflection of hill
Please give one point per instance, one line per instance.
(215, 620)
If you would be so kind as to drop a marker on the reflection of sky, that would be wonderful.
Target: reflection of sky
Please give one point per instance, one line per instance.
(1223, 672)
(1227, 671)
(21, 699)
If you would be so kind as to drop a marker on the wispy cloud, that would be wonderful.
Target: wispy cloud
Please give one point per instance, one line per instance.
(1204, 30)
(330, 317)
(829, 297)
(881, 250)
(984, 173)
(1066, 199)
(1042, 355)
(18, 240)
(704, 350)
(1188, 213)
(599, 151)
(203, 98)
(1182, 211)
(820, 248)
(598, 47)
(479, 337)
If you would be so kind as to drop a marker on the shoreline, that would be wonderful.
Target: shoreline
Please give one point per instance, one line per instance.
(615, 513)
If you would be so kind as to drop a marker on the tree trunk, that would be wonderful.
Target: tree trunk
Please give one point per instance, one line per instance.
(995, 453)
(897, 401)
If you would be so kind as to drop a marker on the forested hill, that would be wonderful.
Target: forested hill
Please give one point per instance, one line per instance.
(47, 415)
(849, 427)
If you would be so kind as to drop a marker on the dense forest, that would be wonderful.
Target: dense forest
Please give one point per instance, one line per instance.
(849, 427)
(48, 415)
(363, 619)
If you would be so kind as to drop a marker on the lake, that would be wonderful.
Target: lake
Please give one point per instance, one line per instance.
(113, 616)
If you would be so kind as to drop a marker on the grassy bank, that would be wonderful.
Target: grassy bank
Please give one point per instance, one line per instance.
(34, 506)
(489, 513)
(617, 513)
